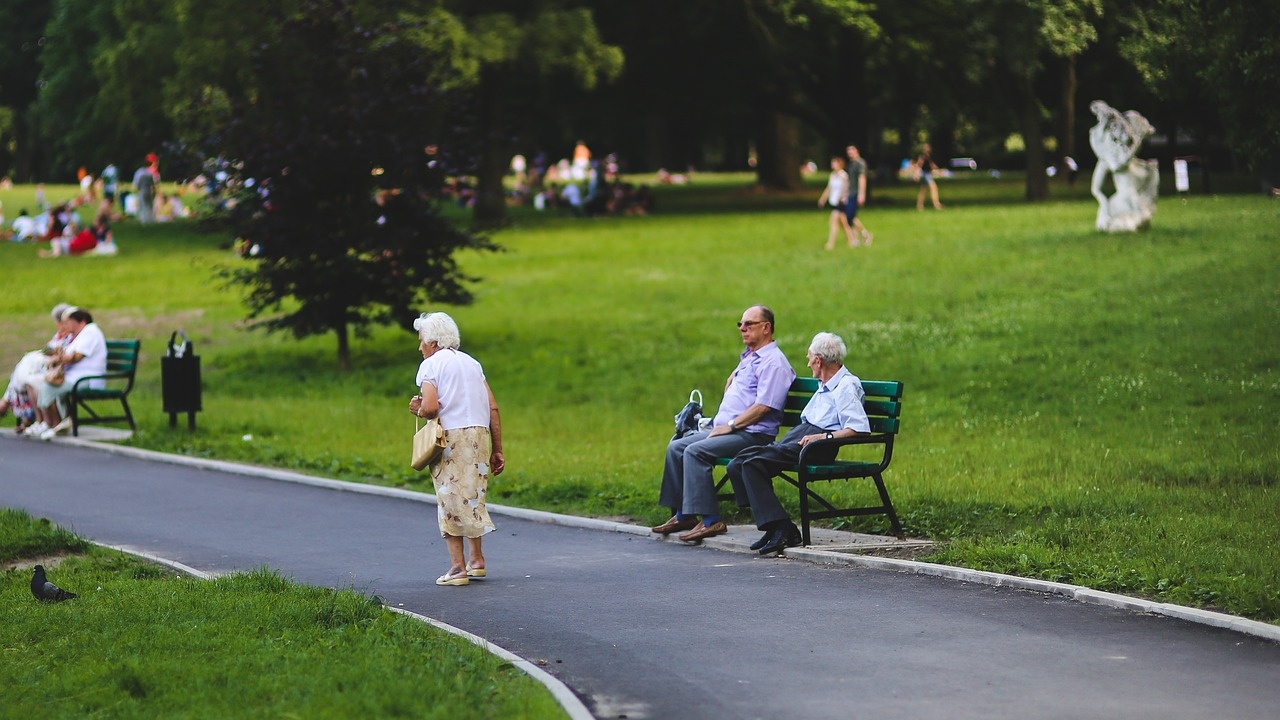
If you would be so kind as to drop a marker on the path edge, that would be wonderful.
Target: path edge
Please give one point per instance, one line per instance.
(1078, 593)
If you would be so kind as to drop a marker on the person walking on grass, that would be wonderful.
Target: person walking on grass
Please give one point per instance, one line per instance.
(857, 171)
(750, 414)
(834, 196)
(926, 167)
(453, 389)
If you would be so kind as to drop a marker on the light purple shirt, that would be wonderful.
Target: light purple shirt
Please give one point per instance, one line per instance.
(762, 377)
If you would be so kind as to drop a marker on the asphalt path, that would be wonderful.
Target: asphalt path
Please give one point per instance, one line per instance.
(648, 629)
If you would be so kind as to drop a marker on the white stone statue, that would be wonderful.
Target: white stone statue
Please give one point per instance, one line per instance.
(1115, 139)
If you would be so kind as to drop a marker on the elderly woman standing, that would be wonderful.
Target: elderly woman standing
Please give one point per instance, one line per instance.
(455, 391)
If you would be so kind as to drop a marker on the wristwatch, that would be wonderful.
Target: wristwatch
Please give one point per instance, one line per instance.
(830, 434)
(733, 426)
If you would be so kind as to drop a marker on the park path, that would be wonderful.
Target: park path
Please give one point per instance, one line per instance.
(648, 629)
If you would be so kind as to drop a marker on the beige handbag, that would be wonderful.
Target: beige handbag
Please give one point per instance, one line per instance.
(428, 444)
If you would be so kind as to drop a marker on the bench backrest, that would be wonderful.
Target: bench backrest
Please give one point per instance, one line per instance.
(122, 356)
(882, 402)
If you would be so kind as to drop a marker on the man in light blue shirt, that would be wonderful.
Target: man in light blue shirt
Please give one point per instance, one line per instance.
(750, 414)
(834, 411)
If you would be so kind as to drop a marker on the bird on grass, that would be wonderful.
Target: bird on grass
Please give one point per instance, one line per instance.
(46, 591)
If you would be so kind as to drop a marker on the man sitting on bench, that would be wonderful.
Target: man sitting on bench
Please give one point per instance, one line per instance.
(750, 414)
(835, 410)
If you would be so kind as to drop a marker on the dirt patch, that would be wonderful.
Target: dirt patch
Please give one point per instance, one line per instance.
(48, 561)
(909, 552)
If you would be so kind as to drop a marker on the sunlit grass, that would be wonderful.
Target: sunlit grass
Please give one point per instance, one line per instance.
(140, 641)
(1126, 382)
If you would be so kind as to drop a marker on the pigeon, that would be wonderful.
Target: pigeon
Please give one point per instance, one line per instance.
(45, 590)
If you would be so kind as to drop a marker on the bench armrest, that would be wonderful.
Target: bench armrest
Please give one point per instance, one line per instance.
(837, 443)
(107, 376)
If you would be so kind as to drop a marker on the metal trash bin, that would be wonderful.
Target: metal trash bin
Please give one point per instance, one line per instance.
(180, 380)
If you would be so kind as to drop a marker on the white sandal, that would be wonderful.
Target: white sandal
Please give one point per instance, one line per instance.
(459, 579)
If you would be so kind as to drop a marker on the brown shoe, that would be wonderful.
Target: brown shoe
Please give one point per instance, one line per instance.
(703, 531)
(675, 525)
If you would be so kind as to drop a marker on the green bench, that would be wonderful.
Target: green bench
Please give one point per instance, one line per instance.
(122, 364)
(883, 403)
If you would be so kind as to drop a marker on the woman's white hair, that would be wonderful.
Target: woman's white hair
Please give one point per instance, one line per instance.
(829, 347)
(58, 310)
(438, 327)
(66, 312)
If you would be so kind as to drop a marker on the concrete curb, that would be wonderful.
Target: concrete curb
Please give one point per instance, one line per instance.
(1075, 592)
(568, 701)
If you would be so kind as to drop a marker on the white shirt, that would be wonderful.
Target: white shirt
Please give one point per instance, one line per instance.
(460, 386)
(837, 405)
(90, 343)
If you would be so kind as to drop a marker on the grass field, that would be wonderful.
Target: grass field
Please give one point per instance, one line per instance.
(140, 641)
(1080, 407)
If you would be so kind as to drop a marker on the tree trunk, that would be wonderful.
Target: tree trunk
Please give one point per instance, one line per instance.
(778, 152)
(1067, 120)
(1037, 186)
(344, 347)
(491, 201)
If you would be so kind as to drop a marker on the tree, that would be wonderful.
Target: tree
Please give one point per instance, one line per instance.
(332, 189)
(1232, 68)
(1018, 37)
(506, 52)
(22, 24)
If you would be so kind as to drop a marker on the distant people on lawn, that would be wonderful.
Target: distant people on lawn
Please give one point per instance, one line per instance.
(749, 414)
(144, 185)
(834, 411)
(856, 168)
(453, 389)
(925, 166)
(834, 196)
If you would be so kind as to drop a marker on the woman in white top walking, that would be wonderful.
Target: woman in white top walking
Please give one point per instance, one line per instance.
(454, 390)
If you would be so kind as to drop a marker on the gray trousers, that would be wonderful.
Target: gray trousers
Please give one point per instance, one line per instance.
(752, 472)
(687, 483)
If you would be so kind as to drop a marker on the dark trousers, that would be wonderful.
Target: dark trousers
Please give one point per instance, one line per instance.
(753, 469)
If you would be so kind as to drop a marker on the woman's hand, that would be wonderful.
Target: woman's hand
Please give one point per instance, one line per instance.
(415, 405)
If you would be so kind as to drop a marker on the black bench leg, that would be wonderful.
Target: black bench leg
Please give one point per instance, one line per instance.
(128, 415)
(804, 512)
(888, 507)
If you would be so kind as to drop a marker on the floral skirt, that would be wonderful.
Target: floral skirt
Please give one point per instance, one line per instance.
(461, 479)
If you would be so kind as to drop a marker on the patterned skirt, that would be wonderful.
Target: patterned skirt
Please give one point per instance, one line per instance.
(461, 478)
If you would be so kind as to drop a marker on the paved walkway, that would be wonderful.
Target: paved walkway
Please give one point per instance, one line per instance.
(648, 629)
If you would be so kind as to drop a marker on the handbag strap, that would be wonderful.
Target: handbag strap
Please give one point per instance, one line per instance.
(697, 392)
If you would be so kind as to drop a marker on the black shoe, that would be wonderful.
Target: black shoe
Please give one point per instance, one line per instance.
(764, 540)
(782, 538)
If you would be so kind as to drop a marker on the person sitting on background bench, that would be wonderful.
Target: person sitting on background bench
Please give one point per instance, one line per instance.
(85, 356)
(750, 414)
(834, 411)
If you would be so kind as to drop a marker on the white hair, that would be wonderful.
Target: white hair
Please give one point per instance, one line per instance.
(439, 328)
(66, 311)
(58, 310)
(828, 347)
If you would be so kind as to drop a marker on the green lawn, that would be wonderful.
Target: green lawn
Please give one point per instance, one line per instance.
(1080, 407)
(142, 642)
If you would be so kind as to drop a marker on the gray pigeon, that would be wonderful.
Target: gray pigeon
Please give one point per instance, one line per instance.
(45, 590)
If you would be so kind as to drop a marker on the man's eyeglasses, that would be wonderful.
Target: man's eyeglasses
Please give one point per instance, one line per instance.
(743, 325)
